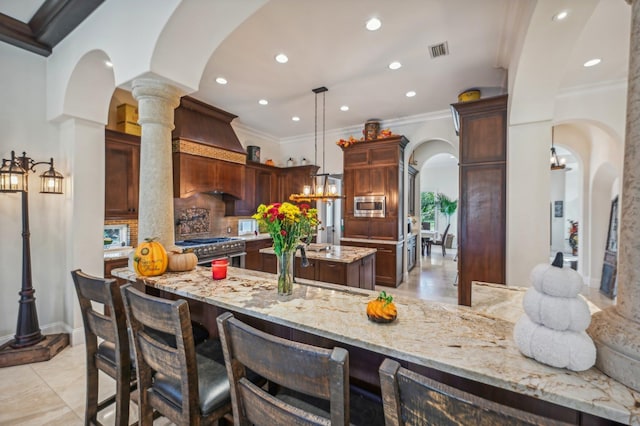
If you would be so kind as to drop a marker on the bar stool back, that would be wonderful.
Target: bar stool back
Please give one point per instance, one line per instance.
(312, 371)
(112, 355)
(412, 399)
(185, 387)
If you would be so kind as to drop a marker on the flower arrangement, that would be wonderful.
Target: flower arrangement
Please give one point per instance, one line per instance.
(345, 143)
(287, 223)
(573, 235)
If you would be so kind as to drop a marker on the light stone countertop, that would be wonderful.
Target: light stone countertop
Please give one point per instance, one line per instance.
(120, 253)
(253, 237)
(343, 254)
(466, 342)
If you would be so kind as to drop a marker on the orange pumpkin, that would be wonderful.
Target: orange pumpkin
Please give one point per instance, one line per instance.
(182, 260)
(382, 309)
(150, 258)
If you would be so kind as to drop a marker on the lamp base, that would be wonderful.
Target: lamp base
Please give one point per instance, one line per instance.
(44, 350)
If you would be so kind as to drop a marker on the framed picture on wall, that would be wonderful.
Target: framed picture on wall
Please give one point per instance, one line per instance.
(609, 268)
(612, 234)
(558, 209)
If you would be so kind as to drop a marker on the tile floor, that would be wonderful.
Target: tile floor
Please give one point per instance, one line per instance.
(52, 393)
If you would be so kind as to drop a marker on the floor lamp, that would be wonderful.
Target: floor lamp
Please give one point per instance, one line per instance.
(29, 344)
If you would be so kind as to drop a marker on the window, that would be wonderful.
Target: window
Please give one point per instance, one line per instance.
(428, 209)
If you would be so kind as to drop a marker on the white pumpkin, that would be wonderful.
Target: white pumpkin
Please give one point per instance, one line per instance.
(180, 261)
(558, 313)
(555, 281)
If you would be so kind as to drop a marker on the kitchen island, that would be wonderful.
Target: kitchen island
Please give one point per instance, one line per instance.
(350, 266)
(467, 348)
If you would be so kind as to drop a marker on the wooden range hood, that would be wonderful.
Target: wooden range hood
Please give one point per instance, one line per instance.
(207, 155)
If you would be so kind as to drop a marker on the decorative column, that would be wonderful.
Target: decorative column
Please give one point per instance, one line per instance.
(156, 103)
(616, 330)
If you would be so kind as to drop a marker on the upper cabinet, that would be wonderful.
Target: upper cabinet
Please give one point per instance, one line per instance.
(375, 168)
(483, 195)
(122, 172)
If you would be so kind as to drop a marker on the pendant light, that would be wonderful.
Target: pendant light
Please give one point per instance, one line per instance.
(320, 188)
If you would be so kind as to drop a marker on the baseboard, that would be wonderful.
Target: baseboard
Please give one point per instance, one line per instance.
(76, 335)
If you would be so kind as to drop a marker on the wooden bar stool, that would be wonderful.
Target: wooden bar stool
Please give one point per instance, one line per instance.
(412, 399)
(312, 382)
(112, 355)
(182, 385)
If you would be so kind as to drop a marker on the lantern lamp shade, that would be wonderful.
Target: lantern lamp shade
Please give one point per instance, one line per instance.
(12, 177)
(51, 182)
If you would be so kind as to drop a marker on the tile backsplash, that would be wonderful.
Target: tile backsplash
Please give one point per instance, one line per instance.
(201, 216)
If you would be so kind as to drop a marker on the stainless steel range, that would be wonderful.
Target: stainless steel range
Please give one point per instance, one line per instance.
(208, 249)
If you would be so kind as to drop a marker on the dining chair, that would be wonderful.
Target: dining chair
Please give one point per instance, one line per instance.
(308, 384)
(112, 355)
(174, 378)
(413, 399)
(441, 242)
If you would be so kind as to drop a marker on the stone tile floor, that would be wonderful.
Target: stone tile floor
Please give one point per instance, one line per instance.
(52, 393)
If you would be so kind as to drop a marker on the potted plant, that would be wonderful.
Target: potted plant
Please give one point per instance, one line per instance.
(447, 207)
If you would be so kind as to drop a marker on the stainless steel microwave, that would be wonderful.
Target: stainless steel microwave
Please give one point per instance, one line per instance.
(369, 206)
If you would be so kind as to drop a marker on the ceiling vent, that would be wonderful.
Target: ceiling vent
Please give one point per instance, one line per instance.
(440, 49)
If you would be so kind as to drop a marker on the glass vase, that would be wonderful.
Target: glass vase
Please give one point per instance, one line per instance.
(285, 273)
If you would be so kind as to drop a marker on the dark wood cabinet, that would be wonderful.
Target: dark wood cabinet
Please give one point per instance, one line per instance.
(360, 273)
(122, 173)
(193, 174)
(375, 168)
(412, 253)
(261, 188)
(411, 192)
(253, 258)
(387, 263)
(482, 212)
(292, 179)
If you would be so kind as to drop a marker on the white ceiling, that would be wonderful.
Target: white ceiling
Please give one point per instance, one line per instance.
(328, 45)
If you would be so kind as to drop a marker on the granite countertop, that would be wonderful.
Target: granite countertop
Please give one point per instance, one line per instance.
(119, 253)
(344, 254)
(252, 237)
(474, 343)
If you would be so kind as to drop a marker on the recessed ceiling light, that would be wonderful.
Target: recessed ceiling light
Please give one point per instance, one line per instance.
(295, 118)
(592, 62)
(373, 24)
(560, 16)
(109, 64)
(263, 102)
(395, 65)
(282, 58)
(221, 80)
(344, 108)
(410, 94)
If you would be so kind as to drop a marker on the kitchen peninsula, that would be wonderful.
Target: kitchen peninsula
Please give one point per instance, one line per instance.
(350, 266)
(469, 349)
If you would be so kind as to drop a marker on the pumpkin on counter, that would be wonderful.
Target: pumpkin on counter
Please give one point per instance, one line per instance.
(182, 260)
(382, 309)
(150, 258)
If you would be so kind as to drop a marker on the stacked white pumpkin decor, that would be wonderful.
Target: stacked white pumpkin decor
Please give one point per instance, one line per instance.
(552, 331)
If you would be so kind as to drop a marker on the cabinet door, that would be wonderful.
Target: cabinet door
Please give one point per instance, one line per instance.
(246, 206)
(356, 157)
(266, 187)
(356, 227)
(386, 266)
(253, 259)
(122, 171)
(332, 272)
(368, 272)
(361, 182)
(307, 272)
(229, 178)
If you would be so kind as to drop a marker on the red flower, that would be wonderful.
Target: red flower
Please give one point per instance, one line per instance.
(283, 232)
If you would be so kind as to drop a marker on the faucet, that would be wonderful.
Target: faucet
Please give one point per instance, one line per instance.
(304, 262)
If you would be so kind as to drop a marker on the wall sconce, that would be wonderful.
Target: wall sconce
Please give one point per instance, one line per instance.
(14, 175)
